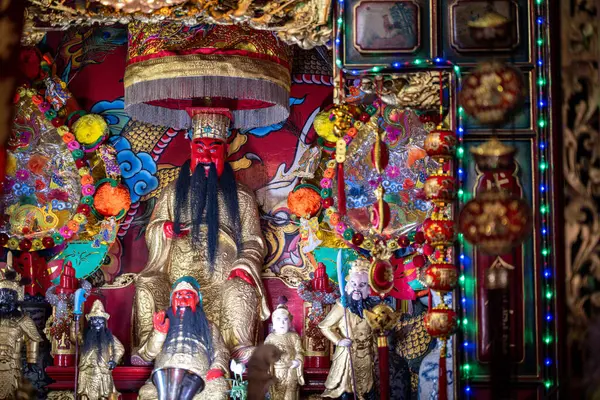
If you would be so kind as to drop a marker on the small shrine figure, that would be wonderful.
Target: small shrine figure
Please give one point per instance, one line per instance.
(100, 354)
(16, 328)
(289, 369)
(349, 330)
(190, 357)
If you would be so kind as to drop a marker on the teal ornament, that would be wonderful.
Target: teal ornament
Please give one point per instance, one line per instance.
(325, 193)
(50, 114)
(58, 239)
(371, 110)
(77, 154)
(88, 200)
(348, 233)
(84, 256)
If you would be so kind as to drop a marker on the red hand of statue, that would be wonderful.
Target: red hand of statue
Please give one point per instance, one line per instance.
(214, 374)
(243, 275)
(161, 323)
(169, 229)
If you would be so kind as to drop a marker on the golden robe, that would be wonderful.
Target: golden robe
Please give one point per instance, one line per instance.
(196, 362)
(334, 328)
(234, 305)
(13, 333)
(95, 378)
(288, 379)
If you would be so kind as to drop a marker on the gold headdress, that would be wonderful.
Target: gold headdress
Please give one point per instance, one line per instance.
(97, 311)
(9, 279)
(211, 126)
(359, 266)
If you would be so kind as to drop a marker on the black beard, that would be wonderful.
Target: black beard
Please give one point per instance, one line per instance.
(203, 202)
(358, 306)
(101, 340)
(188, 330)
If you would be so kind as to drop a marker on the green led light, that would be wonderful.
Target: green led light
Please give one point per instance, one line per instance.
(541, 123)
(376, 69)
(462, 279)
(461, 238)
(461, 110)
(460, 151)
(417, 61)
(466, 367)
(548, 339)
(543, 166)
(540, 42)
(544, 209)
(457, 69)
(541, 81)
(338, 63)
(538, 2)
(548, 384)
(545, 252)
(548, 295)
(465, 321)
(340, 21)
(461, 192)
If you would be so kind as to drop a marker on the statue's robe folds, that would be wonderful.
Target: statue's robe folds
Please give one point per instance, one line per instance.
(14, 332)
(196, 361)
(335, 328)
(234, 305)
(95, 377)
(288, 379)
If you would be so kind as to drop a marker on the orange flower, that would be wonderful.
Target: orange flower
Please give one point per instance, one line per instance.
(73, 225)
(334, 219)
(329, 173)
(68, 137)
(87, 180)
(37, 163)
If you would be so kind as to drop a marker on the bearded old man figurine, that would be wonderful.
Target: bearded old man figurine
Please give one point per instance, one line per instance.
(190, 357)
(206, 79)
(100, 354)
(16, 328)
(350, 332)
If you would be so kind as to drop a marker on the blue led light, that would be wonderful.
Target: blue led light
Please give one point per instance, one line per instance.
(396, 65)
(464, 300)
(468, 389)
(466, 344)
(547, 273)
(544, 231)
(542, 188)
(549, 317)
(438, 60)
(540, 62)
(542, 145)
(460, 171)
(337, 41)
(461, 130)
(540, 20)
(548, 361)
(462, 256)
(542, 103)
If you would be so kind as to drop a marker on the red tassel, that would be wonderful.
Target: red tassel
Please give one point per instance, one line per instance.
(443, 380)
(341, 188)
(384, 368)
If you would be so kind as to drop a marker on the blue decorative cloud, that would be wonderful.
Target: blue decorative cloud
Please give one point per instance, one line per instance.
(138, 170)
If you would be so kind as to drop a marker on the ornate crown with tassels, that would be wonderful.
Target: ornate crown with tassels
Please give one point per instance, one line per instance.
(97, 311)
(187, 283)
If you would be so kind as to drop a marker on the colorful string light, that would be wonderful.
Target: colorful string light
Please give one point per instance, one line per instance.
(466, 289)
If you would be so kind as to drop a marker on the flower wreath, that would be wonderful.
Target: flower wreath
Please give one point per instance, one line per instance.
(340, 225)
(80, 218)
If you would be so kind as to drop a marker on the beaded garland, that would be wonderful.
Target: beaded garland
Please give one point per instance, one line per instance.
(79, 219)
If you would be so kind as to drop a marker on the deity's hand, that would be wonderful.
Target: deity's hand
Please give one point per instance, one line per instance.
(214, 374)
(295, 364)
(344, 342)
(112, 365)
(161, 323)
(243, 275)
(169, 229)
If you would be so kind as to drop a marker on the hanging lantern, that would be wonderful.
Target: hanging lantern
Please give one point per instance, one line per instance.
(438, 232)
(381, 276)
(441, 277)
(440, 321)
(440, 189)
(496, 220)
(492, 92)
(440, 144)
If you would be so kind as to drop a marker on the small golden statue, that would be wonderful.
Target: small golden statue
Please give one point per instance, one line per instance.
(352, 368)
(190, 357)
(100, 355)
(15, 328)
(288, 370)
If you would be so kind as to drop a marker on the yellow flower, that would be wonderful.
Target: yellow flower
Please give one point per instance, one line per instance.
(79, 218)
(36, 244)
(62, 130)
(13, 244)
(83, 171)
(89, 129)
(11, 165)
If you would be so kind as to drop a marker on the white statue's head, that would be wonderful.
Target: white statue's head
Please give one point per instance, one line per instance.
(357, 285)
(281, 318)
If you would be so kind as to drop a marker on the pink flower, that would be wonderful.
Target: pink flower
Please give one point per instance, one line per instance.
(88, 190)
(325, 183)
(340, 228)
(22, 174)
(66, 232)
(393, 171)
(73, 145)
(43, 107)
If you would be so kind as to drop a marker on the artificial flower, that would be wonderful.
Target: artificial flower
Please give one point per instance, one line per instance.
(87, 190)
(79, 218)
(325, 183)
(65, 232)
(22, 174)
(73, 145)
(68, 137)
(73, 226)
(393, 171)
(37, 163)
(329, 173)
(87, 180)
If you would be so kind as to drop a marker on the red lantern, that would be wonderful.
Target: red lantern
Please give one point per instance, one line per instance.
(441, 321)
(441, 277)
(440, 189)
(439, 232)
(381, 276)
(496, 221)
(440, 144)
